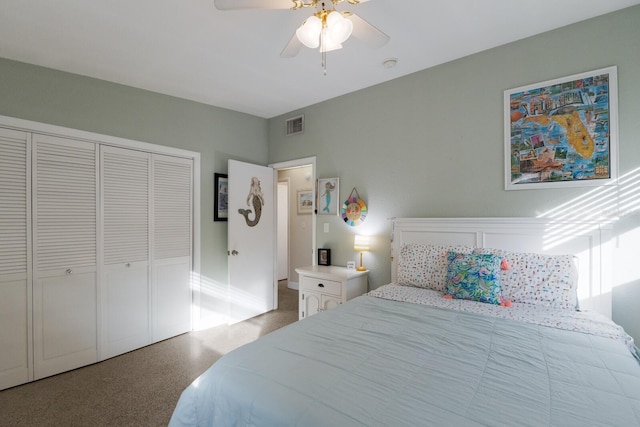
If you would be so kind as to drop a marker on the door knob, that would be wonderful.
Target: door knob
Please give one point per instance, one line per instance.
(69, 271)
(234, 252)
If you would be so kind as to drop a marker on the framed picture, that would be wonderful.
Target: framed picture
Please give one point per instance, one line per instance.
(324, 256)
(562, 132)
(328, 193)
(220, 197)
(305, 201)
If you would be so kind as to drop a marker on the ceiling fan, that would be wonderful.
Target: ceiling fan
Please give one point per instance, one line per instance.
(326, 29)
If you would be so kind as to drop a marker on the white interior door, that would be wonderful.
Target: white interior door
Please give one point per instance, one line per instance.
(125, 293)
(251, 240)
(283, 229)
(65, 254)
(172, 214)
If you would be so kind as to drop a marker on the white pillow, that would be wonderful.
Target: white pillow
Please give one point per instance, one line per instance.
(425, 266)
(548, 280)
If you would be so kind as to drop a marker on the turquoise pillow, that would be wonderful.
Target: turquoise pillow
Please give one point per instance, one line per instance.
(474, 277)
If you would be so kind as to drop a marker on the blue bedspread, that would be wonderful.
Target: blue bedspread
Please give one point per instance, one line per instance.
(377, 362)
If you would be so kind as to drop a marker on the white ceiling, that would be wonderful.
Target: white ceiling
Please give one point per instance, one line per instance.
(230, 59)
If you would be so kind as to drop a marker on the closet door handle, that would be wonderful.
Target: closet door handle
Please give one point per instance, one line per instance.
(321, 285)
(128, 264)
(69, 271)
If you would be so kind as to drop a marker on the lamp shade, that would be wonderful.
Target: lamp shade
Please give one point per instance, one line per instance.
(309, 32)
(338, 27)
(361, 243)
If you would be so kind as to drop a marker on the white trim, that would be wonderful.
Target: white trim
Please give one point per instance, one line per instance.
(53, 130)
(305, 161)
(196, 282)
(30, 264)
(287, 181)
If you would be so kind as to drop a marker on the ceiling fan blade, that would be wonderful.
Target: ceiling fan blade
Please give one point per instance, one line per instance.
(292, 48)
(366, 32)
(252, 4)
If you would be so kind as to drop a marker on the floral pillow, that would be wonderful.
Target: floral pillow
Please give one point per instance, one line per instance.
(425, 266)
(474, 277)
(532, 278)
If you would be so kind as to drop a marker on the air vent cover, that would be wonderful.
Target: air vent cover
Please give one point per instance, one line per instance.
(294, 125)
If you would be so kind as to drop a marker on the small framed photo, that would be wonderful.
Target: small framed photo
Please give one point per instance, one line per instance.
(324, 256)
(305, 201)
(328, 193)
(351, 265)
(220, 197)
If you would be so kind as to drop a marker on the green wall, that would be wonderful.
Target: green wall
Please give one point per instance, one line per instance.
(431, 144)
(428, 144)
(48, 96)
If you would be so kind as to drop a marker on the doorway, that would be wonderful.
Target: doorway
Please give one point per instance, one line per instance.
(298, 239)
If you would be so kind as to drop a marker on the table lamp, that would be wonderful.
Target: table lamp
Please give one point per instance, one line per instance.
(361, 243)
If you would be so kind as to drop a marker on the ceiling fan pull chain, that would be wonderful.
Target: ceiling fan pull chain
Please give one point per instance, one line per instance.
(324, 63)
(323, 35)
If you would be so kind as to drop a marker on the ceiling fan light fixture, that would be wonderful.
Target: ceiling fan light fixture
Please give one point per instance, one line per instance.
(309, 32)
(325, 29)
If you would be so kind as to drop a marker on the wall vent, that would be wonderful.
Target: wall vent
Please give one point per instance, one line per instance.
(294, 125)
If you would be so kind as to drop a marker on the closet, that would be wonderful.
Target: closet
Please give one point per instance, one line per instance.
(96, 250)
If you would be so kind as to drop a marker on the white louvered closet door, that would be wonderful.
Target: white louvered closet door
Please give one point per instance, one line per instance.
(125, 293)
(15, 258)
(172, 243)
(64, 254)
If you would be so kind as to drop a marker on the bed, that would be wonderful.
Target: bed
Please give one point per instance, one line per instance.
(541, 352)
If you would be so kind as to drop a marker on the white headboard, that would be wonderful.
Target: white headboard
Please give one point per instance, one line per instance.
(590, 242)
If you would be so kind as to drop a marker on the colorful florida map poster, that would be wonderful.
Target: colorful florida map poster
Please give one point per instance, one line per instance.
(560, 131)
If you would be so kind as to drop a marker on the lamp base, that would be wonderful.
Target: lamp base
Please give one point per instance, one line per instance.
(361, 268)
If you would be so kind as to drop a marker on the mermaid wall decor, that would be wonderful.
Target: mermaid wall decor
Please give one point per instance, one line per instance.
(255, 199)
(328, 195)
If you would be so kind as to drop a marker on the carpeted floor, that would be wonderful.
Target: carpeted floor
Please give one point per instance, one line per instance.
(140, 388)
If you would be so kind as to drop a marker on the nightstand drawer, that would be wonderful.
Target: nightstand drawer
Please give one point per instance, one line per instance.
(322, 285)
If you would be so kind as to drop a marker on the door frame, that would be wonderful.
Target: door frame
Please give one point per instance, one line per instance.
(290, 164)
(286, 182)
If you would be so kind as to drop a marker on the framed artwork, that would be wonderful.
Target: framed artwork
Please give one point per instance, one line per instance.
(562, 132)
(220, 197)
(324, 256)
(328, 192)
(305, 201)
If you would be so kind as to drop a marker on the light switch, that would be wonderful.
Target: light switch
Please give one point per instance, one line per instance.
(326, 227)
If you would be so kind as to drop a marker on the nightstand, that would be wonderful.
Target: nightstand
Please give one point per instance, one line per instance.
(324, 287)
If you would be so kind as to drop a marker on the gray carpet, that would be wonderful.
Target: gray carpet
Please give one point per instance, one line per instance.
(139, 388)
